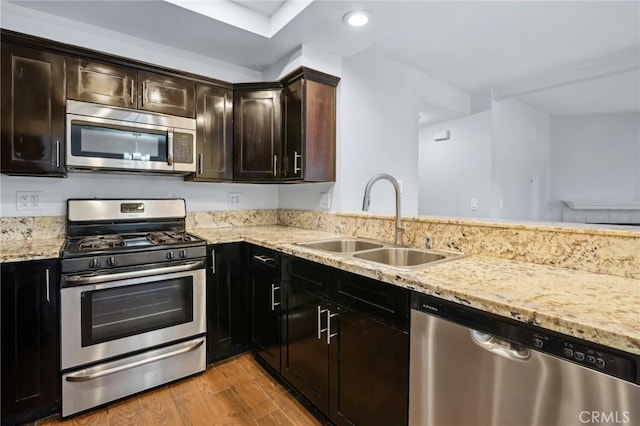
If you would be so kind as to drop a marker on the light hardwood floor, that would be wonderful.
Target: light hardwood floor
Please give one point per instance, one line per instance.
(233, 392)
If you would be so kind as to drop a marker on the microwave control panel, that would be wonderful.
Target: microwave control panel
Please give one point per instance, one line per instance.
(183, 147)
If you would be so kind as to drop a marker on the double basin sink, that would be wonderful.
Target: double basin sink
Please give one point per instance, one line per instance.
(382, 253)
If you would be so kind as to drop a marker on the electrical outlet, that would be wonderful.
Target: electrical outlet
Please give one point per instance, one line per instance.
(474, 204)
(28, 200)
(233, 197)
(325, 202)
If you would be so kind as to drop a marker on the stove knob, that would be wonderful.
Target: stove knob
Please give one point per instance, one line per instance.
(170, 255)
(112, 261)
(183, 254)
(94, 263)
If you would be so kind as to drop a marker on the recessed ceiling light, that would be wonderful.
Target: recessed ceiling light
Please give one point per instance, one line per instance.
(357, 18)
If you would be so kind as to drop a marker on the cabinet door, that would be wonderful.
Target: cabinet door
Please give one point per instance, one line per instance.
(319, 133)
(265, 318)
(257, 135)
(292, 161)
(214, 137)
(30, 346)
(33, 112)
(100, 83)
(167, 95)
(369, 373)
(305, 353)
(226, 310)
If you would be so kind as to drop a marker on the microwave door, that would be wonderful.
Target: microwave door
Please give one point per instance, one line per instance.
(106, 144)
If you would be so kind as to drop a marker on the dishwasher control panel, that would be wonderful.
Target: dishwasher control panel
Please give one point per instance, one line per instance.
(590, 355)
(582, 353)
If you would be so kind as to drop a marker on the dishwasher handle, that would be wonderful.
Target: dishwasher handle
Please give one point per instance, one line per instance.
(501, 347)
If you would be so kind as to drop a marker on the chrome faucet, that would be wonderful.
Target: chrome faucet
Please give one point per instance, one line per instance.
(367, 200)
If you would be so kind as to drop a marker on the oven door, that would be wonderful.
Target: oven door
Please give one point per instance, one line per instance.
(109, 315)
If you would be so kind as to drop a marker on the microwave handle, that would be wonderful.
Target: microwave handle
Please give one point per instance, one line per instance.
(170, 147)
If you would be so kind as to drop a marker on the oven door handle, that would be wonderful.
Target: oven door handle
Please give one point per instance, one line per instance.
(95, 279)
(82, 377)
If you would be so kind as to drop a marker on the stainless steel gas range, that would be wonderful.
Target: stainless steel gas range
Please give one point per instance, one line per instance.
(133, 313)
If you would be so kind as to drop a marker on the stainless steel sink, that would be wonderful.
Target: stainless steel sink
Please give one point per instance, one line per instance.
(382, 253)
(405, 257)
(341, 245)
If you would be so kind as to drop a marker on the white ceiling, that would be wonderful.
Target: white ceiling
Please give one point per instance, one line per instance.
(473, 45)
(265, 7)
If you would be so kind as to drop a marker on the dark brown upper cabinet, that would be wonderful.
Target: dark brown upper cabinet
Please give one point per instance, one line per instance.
(167, 95)
(257, 111)
(214, 134)
(101, 83)
(309, 145)
(33, 112)
(108, 84)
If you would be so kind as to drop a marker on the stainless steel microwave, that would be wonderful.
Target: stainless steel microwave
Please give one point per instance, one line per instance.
(100, 137)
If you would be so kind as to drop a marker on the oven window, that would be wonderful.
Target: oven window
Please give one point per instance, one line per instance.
(114, 313)
(117, 142)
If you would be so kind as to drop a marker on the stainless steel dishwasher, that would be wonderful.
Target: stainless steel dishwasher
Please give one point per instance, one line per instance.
(469, 367)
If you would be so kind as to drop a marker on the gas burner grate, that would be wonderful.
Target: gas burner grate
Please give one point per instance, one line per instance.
(100, 242)
(168, 237)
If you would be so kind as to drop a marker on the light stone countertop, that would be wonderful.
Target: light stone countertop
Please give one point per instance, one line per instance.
(21, 250)
(600, 308)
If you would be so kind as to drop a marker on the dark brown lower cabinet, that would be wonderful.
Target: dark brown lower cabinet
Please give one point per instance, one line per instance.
(368, 369)
(227, 310)
(265, 305)
(352, 365)
(305, 353)
(30, 340)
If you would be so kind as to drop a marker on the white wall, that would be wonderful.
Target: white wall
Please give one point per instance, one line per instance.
(199, 196)
(454, 171)
(595, 158)
(520, 161)
(378, 133)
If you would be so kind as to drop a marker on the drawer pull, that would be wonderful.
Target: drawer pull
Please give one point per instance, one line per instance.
(264, 259)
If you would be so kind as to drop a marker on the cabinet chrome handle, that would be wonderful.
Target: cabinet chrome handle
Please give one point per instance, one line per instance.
(47, 279)
(264, 259)
(296, 169)
(213, 261)
(95, 373)
(170, 147)
(200, 163)
(132, 89)
(329, 335)
(275, 165)
(57, 154)
(320, 329)
(273, 297)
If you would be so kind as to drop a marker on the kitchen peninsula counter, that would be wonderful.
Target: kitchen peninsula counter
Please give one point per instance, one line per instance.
(595, 307)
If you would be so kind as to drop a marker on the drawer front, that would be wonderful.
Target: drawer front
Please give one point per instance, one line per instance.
(379, 300)
(117, 379)
(264, 259)
(311, 276)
